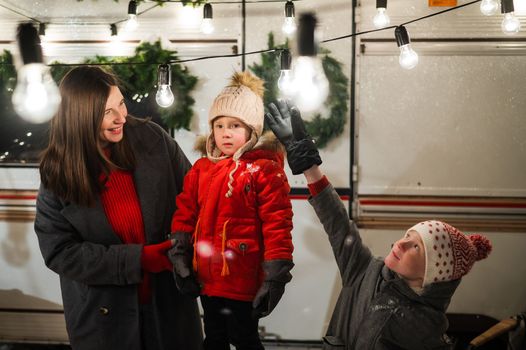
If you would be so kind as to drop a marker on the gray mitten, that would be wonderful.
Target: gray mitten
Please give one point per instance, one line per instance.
(277, 274)
(286, 123)
(181, 257)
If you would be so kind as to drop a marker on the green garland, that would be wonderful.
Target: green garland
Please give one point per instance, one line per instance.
(321, 129)
(137, 79)
(142, 80)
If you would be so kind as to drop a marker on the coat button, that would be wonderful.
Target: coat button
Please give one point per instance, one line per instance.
(104, 310)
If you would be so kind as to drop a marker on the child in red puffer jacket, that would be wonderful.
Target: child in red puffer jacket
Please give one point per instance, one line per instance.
(234, 220)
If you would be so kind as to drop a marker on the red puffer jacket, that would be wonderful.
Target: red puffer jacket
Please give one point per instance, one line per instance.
(234, 235)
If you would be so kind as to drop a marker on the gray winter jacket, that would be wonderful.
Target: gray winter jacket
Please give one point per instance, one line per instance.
(376, 309)
(99, 275)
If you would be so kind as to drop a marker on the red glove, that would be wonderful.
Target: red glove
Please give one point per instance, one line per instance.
(154, 259)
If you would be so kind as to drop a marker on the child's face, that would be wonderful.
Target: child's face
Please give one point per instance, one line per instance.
(230, 134)
(408, 258)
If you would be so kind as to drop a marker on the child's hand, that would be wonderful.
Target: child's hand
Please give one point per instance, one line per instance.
(280, 122)
(277, 274)
(267, 298)
(181, 257)
(287, 125)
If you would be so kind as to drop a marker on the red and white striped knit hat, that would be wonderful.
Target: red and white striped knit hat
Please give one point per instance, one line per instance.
(449, 253)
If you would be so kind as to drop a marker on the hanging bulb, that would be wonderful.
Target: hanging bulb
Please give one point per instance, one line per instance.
(36, 97)
(164, 96)
(310, 86)
(285, 76)
(207, 26)
(42, 31)
(489, 7)
(289, 25)
(114, 34)
(408, 58)
(381, 20)
(132, 23)
(510, 24)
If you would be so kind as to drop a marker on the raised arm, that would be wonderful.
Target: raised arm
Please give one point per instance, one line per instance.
(351, 255)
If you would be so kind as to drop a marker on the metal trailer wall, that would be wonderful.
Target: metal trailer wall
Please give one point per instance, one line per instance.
(450, 91)
(447, 140)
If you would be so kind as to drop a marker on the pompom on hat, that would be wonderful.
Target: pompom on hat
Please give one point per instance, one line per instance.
(450, 254)
(241, 99)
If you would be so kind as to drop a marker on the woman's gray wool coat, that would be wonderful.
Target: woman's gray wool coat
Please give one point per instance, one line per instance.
(99, 275)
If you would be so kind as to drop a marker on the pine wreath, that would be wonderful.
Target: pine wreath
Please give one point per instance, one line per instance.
(140, 83)
(321, 129)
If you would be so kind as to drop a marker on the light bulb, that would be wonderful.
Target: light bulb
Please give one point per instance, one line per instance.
(489, 7)
(289, 25)
(510, 24)
(381, 20)
(132, 23)
(285, 83)
(408, 57)
(310, 86)
(207, 26)
(36, 97)
(164, 96)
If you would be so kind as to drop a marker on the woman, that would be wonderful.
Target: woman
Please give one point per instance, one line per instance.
(107, 195)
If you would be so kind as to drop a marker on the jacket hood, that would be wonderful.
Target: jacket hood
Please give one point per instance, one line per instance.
(267, 147)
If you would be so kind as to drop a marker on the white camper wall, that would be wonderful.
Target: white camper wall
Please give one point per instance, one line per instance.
(452, 128)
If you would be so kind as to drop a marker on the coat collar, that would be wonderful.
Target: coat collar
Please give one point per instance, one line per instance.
(436, 295)
(147, 177)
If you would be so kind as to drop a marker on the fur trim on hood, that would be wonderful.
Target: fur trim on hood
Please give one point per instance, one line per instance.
(267, 142)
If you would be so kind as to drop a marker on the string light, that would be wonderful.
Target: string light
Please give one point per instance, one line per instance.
(489, 7)
(164, 96)
(113, 30)
(381, 19)
(207, 27)
(408, 57)
(515, 27)
(132, 23)
(510, 24)
(36, 97)
(310, 87)
(289, 25)
(285, 75)
(42, 31)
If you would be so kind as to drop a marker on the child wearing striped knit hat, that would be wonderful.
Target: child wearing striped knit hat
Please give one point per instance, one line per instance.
(396, 302)
(434, 251)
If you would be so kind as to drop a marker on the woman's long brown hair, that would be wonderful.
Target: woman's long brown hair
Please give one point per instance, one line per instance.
(74, 160)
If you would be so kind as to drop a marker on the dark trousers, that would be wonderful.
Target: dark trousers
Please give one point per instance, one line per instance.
(228, 321)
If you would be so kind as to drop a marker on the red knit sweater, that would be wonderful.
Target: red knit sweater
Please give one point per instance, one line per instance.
(123, 211)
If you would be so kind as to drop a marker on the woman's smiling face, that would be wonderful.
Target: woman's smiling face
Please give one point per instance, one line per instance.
(111, 129)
